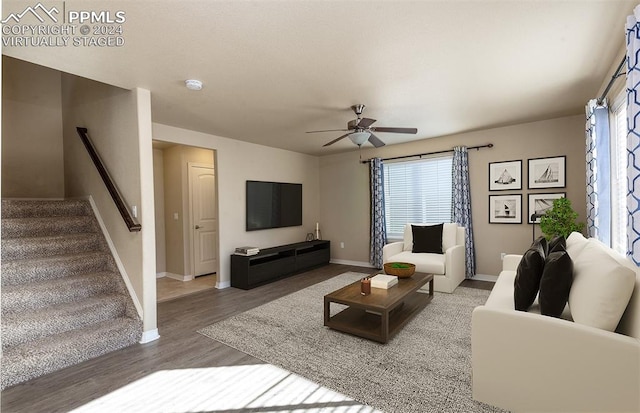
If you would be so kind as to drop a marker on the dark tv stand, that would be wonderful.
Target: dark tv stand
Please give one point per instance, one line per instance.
(271, 264)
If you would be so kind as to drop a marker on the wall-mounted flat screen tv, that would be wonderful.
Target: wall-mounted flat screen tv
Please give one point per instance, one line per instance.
(273, 205)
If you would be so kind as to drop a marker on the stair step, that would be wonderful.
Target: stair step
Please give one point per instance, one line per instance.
(25, 248)
(40, 227)
(17, 208)
(34, 296)
(42, 269)
(19, 328)
(63, 300)
(33, 359)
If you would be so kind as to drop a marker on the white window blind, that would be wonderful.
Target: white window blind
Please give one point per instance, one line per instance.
(619, 176)
(417, 192)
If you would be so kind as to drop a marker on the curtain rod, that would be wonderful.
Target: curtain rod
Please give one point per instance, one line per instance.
(420, 155)
(616, 75)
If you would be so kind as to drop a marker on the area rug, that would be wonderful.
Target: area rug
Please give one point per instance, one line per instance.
(426, 367)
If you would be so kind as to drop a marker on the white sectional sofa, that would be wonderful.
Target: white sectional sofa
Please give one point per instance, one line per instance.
(448, 268)
(527, 362)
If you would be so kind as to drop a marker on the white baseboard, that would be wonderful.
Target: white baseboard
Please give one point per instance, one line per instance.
(354, 263)
(149, 336)
(116, 257)
(174, 276)
(485, 277)
(223, 284)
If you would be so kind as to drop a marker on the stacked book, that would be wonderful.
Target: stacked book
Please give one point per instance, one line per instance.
(384, 281)
(247, 251)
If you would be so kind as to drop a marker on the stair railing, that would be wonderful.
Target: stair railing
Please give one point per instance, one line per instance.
(129, 220)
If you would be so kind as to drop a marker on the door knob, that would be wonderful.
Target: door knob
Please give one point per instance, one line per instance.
(198, 227)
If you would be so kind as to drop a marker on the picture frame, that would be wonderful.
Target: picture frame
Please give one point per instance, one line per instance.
(505, 209)
(540, 203)
(547, 172)
(505, 175)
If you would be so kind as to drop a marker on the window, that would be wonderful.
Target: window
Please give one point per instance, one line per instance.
(417, 192)
(618, 174)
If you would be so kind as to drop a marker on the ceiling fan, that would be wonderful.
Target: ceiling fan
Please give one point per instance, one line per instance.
(360, 130)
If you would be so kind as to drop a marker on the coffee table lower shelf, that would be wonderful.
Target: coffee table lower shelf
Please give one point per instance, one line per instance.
(381, 316)
(369, 325)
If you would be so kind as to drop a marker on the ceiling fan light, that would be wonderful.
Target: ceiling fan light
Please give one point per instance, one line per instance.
(359, 137)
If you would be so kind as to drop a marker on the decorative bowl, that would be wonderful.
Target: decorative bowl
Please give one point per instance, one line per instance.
(400, 269)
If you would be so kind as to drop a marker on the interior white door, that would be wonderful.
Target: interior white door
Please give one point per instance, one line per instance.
(205, 220)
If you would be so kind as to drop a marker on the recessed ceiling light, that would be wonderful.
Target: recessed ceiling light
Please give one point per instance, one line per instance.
(193, 84)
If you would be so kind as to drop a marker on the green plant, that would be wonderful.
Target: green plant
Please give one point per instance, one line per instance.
(560, 219)
(399, 265)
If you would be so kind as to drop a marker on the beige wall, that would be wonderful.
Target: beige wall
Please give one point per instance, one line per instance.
(345, 193)
(174, 242)
(237, 162)
(158, 191)
(120, 137)
(32, 156)
(176, 201)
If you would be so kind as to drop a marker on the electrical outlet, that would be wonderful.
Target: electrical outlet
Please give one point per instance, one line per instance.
(342, 245)
(502, 254)
(134, 211)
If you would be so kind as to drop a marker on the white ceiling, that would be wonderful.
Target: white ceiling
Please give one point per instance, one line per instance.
(275, 69)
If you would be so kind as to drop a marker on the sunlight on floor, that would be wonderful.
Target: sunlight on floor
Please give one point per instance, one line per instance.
(168, 288)
(254, 388)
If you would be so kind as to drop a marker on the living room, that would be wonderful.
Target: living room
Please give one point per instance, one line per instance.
(334, 179)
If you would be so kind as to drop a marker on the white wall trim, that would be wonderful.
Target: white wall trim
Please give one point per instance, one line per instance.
(175, 276)
(149, 336)
(485, 277)
(222, 284)
(116, 257)
(354, 263)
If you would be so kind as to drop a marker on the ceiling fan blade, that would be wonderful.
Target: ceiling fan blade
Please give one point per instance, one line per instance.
(365, 122)
(395, 130)
(375, 141)
(336, 140)
(328, 130)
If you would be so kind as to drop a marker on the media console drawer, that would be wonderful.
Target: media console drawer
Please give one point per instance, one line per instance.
(312, 259)
(272, 269)
(274, 263)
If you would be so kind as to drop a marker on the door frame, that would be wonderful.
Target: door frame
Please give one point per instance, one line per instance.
(191, 230)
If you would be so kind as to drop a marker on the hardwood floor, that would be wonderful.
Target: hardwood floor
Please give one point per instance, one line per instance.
(179, 346)
(170, 289)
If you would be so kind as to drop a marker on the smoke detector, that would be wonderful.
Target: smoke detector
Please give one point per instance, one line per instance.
(193, 84)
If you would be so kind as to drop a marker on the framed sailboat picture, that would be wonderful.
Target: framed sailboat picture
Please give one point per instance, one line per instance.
(540, 203)
(505, 175)
(505, 209)
(547, 172)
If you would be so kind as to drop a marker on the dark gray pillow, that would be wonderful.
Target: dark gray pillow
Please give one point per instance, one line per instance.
(542, 245)
(528, 277)
(555, 283)
(427, 238)
(557, 243)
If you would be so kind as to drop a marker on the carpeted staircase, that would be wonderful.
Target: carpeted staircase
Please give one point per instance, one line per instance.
(63, 299)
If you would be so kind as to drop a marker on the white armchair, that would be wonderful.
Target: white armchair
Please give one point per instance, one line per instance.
(448, 269)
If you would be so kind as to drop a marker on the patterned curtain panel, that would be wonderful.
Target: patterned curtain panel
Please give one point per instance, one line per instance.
(378, 224)
(461, 204)
(598, 172)
(633, 135)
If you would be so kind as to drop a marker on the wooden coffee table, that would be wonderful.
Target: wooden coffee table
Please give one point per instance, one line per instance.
(381, 314)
